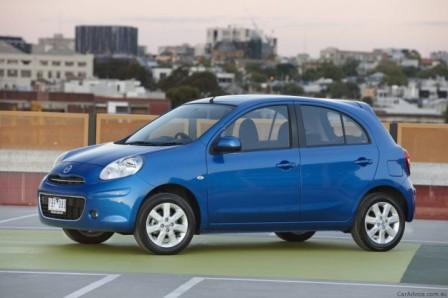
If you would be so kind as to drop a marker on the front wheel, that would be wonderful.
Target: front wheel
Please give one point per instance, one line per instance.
(379, 223)
(295, 236)
(165, 224)
(87, 237)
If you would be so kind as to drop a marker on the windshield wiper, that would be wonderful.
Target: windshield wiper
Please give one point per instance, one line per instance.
(146, 143)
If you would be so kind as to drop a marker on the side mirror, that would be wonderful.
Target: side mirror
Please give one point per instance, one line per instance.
(227, 145)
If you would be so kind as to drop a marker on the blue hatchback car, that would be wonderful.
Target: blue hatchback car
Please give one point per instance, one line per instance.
(253, 163)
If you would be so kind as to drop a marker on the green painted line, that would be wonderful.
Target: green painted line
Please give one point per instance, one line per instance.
(429, 266)
(242, 256)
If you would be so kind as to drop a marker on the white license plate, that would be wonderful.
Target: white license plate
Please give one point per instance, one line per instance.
(56, 205)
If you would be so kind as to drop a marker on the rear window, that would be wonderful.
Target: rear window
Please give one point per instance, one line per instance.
(326, 127)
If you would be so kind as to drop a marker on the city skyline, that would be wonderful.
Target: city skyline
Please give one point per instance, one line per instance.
(300, 26)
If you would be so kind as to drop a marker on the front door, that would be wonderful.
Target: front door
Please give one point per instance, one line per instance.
(259, 184)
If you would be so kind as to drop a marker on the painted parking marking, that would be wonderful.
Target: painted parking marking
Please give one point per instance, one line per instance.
(80, 292)
(185, 287)
(403, 240)
(92, 286)
(332, 283)
(17, 218)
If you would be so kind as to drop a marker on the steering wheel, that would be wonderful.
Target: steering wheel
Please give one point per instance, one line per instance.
(182, 136)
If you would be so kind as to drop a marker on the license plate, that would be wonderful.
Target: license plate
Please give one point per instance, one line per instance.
(56, 205)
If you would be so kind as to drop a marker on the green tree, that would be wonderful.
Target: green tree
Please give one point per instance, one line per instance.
(394, 74)
(330, 71)
(123, 69)
(440, 70)
(286, 70)
(176, 78)
(181, 94)
(350, 68)
(343, 90)
(205, 82)
(289, 89)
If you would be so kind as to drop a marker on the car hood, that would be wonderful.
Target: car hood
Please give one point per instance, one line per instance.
(106, 153)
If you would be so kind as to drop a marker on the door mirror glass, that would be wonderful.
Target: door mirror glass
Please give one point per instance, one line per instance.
(227, 144)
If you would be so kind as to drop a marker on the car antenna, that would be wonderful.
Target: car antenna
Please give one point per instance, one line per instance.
(211, 99)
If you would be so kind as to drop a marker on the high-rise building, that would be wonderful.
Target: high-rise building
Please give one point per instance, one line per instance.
(107, 41)
(230, 43)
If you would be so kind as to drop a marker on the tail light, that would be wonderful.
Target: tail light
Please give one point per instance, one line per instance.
(407, 160)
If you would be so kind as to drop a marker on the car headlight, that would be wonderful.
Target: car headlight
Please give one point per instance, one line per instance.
(122, 167)
(59, 159)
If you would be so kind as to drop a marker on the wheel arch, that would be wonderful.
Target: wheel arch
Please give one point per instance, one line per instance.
(183, 192)
(392, 191)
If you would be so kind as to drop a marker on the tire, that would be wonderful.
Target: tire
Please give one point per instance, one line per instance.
(87, 237)
(171, 221)
(295, 236)
(378, 228)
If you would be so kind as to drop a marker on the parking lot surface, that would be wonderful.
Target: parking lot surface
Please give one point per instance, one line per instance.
(39, 261)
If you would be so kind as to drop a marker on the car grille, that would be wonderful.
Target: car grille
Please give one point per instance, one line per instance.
(57, 179)
(74, 207)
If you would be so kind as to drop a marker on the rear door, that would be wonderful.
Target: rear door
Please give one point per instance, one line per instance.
(338, 162)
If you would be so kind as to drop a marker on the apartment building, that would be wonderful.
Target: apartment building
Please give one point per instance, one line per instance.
(20, 70)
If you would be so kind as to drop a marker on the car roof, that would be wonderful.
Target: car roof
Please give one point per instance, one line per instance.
(254, 99)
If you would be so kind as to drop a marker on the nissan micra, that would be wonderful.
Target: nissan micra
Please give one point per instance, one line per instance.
(282, 164)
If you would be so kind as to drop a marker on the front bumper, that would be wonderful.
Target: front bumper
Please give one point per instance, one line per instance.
(116, 203)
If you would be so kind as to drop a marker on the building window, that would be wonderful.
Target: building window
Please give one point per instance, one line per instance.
(12, 73)
(43, 62)
(2, 73)
(25, 73)
(58, 75)
(56, 63)
(13, 61)
(82, 64)
(2, 61)
(69, 63)
(69, 75)
(81, 75)
(50, 75)
(40, 75)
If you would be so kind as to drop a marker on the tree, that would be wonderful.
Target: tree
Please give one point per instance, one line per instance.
(350, 68)
(330, 71)
(343, 90)
(286, 70)
(394, 74)
(206, 82)
(440, 70)
(176, 78)
(181, 94)
(289, 89)
(123, 69)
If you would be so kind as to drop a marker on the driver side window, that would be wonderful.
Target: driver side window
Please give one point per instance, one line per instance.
(262, 129)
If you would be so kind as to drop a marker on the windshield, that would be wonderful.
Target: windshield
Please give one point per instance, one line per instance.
(180, 126)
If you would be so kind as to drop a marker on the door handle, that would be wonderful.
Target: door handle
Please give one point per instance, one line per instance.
(362, 161)
(285, 165)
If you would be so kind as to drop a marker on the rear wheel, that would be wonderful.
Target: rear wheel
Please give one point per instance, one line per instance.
(87, 237)
(379, 223)
(295, 236)
(165, 224)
